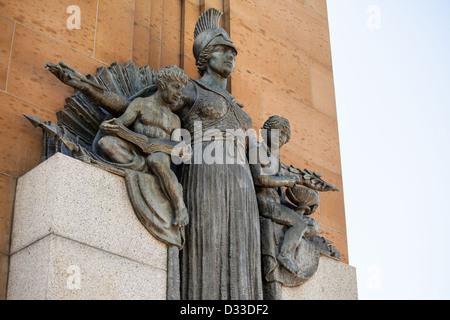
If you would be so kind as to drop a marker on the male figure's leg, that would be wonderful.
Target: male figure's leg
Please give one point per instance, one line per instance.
(292, 237)
(116, 149)
(159, 163)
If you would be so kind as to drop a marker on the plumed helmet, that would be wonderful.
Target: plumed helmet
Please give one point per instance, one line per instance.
(207, 32)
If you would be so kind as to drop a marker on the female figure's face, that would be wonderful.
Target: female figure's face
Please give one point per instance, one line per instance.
(222, 61)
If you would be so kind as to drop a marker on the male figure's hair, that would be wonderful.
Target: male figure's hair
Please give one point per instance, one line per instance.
(170, 73)
(280, 123)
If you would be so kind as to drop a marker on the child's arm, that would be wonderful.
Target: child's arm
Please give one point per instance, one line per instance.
(127, 118)
(132, 112)
(271, 181)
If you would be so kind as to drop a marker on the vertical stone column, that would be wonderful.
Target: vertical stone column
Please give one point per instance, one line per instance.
(284, 67)
(165, 33)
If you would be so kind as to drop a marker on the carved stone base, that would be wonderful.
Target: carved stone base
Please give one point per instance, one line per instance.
(333, 280)
(75, 236)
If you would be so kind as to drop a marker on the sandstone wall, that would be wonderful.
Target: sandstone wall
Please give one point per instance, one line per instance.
(283, 67)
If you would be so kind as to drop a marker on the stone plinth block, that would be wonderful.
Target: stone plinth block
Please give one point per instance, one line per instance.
(75, 236)
(333, 280)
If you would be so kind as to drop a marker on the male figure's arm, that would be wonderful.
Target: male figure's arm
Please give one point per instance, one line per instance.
(113, 103)
(127, 118)
(270, 181)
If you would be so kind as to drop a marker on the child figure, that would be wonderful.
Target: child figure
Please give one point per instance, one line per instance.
(152, 118)
(273, 206)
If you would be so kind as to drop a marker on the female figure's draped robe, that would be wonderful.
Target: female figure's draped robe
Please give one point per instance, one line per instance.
(221, 258)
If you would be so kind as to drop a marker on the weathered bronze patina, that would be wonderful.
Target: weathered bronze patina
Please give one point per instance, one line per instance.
(289, 253)
(231, 231)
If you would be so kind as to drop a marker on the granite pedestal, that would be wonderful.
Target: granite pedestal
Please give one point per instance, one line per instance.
(75, 236)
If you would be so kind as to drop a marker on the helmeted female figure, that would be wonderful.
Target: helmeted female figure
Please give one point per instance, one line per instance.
(221, 256)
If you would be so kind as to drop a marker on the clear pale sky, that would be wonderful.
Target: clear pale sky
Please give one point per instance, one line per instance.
(392, 80)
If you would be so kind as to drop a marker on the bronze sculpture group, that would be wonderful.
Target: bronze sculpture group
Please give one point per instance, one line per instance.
(231, 232)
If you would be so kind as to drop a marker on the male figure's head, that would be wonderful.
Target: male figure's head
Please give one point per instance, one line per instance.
(171, 81)
(277, 126)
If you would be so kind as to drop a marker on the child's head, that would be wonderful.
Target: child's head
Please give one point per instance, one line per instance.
(171, 80)
(282, 125)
